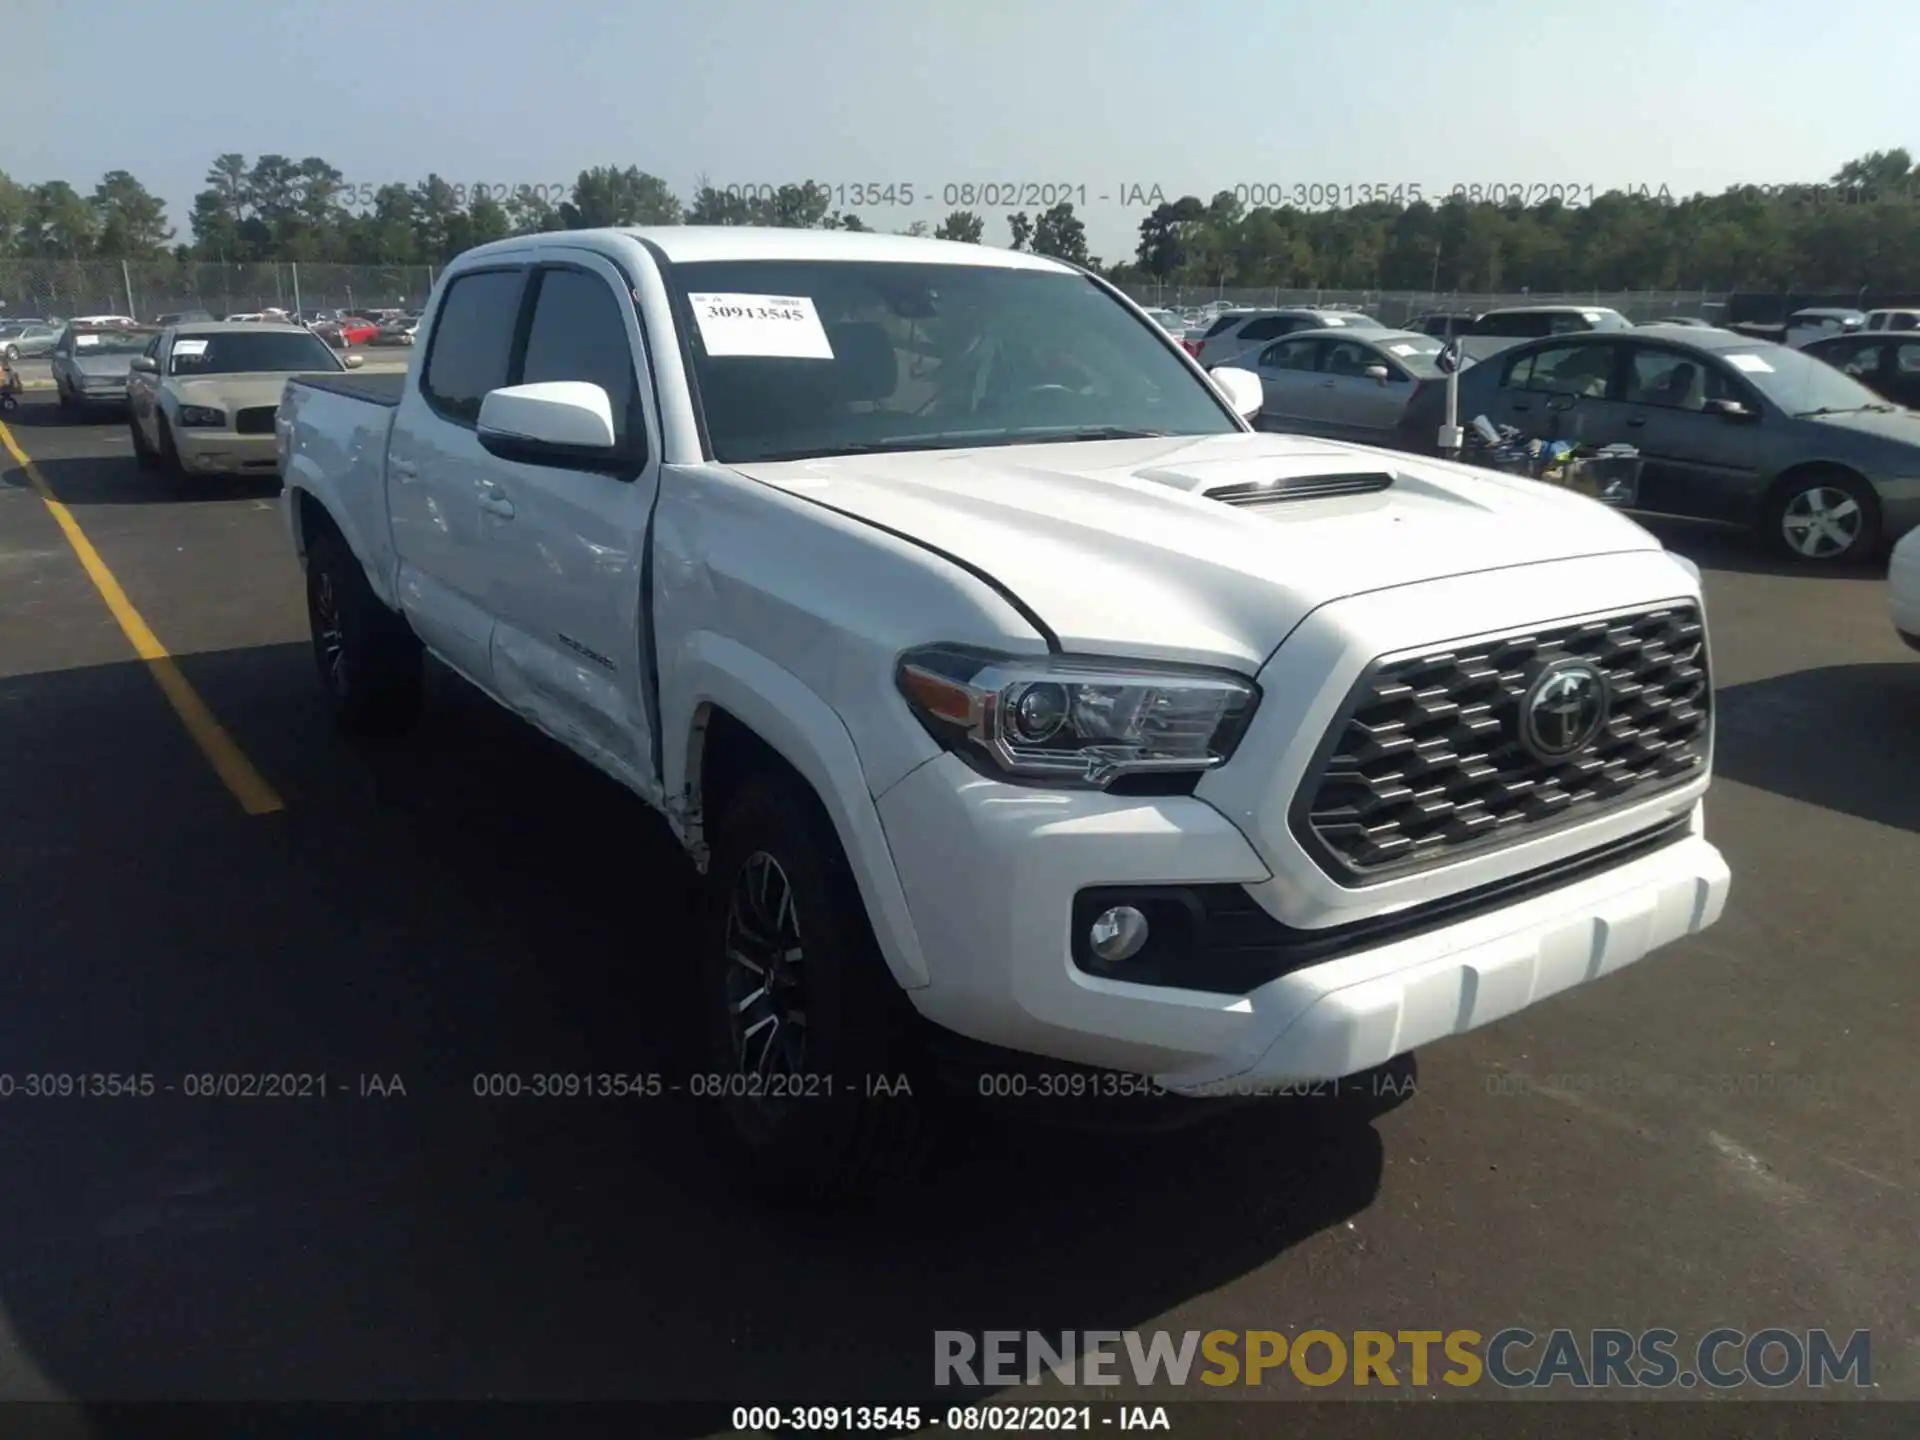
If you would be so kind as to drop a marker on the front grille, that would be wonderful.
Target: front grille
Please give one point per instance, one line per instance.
(1425, 762)
(256, 420)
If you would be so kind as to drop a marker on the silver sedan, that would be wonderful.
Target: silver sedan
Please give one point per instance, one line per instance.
(1346, 385)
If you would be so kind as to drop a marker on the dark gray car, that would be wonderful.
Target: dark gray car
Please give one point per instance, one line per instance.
(1347, 385)
(1729, 429)
(23, 340)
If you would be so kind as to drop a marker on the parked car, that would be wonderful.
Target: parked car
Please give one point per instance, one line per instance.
(249, 317)
(24, 340)
(1170, 321)
(1498, 329)
(1690, 322)
(1892, 320)
(329, 331)
(398, 330)
(1240, 334)
(97, 320)
(1445, 326)
(1803, 327)
(91, 364)
(1055, 793)
(180, 317)
(1884, 363)
(357, 330)
(311, 318)
(1730, 429)
(1903, 589)
(202, 396)
(1347, 385)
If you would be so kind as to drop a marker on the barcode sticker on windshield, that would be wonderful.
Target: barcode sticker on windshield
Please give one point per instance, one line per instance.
(772, 326)
(1752, 364)
(1404, 349)
(1334, 322)
(82, 341)
(189, 347)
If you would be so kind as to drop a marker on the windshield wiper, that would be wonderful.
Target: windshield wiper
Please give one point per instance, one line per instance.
(1837, 410)
(948, 441)
(1047, 433)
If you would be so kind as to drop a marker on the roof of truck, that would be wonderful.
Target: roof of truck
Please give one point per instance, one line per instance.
(693, 244)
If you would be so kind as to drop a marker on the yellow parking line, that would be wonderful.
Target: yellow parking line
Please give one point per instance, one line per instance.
(249, 787)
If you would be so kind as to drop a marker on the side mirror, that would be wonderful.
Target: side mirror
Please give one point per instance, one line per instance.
(353, 362)
(1376, 372)
(1730, 410)
(1242, 388)
(145, 365)
(556, 422)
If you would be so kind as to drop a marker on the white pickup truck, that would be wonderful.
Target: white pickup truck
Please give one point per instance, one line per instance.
(996, 674)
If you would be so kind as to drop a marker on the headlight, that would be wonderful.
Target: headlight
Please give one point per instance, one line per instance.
(1076, 720)
(200, 415)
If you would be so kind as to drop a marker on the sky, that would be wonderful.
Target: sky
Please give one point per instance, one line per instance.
(1106, 100)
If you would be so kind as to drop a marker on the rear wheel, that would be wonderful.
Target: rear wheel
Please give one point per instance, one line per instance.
(808, 1076)
(370, 663)
(1823, 517)
(168, 454)
(13, 353)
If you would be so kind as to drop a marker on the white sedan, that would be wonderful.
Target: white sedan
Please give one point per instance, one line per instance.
(1903, 588)
(202, 397)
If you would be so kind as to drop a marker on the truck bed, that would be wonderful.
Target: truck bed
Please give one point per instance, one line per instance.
(382, 387)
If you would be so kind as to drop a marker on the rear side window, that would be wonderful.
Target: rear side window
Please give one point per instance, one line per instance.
(1904, 321)
(1522, 325)
(1270, 327)
(472, 342)
(1225, 322)
(578, 333)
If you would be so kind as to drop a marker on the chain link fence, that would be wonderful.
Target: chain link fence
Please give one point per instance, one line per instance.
(56, 289)
(1396, 307)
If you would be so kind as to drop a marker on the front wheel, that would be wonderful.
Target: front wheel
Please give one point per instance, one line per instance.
(144, 455)
(370, 663)
(809, 1081)
(13, 353)
(1824, 517)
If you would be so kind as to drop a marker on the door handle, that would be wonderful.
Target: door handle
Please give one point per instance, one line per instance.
(1634, 422)
(405, 469)
(1326, 384)
(497, 505)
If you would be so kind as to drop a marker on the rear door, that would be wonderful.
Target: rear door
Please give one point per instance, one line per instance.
(1289, 379)
(1902, 374)
(1692, 461)
(437, 474)
(1351, 403)
(566, 545)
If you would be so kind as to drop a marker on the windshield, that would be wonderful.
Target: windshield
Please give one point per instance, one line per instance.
(240, 354)
(802, 358)
(87, 343)
(10, 332)
(1801, 384)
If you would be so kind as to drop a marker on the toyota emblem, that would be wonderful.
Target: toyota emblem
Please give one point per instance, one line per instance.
(1563, 709)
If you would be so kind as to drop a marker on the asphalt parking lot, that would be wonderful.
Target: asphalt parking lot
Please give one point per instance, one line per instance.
(1725, 1134)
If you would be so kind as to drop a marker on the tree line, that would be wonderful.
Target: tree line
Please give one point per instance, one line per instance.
(1860, 229)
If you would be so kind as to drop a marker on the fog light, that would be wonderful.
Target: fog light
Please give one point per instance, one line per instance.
(1119, 934)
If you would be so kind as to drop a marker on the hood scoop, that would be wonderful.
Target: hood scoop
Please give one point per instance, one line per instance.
(1300, 487)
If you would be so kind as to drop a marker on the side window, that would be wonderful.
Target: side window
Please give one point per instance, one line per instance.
(578, 333)
(1906, 357)
(1905, 320)
(1858, 359)
(153, 347)
(1563, 369)
(472, 342)
(1347, 357)
(1667, 378)
(1269, 328)
(1288, 355)
(1225, 322)
(1523, 326)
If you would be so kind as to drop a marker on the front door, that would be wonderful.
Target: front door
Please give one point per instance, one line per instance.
(436, 469)
(1288, 382)
(566, 546)
(1901, 374)
(1692, 461)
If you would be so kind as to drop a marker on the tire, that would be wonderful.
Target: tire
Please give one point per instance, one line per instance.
(67, 402)
(370, 662)
(13, 353)
(169, 454)
(834, 1140)
(1822, 517)
(144, 455)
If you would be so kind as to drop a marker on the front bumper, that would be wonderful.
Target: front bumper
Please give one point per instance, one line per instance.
(222, 452)
(990, 871)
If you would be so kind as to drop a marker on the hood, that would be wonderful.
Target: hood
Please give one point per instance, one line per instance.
(103, 367)
(1902, 427)
(231, 392)
(1116, 547)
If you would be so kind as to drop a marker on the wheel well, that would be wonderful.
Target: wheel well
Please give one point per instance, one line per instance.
(313, 520)
(728, 753)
